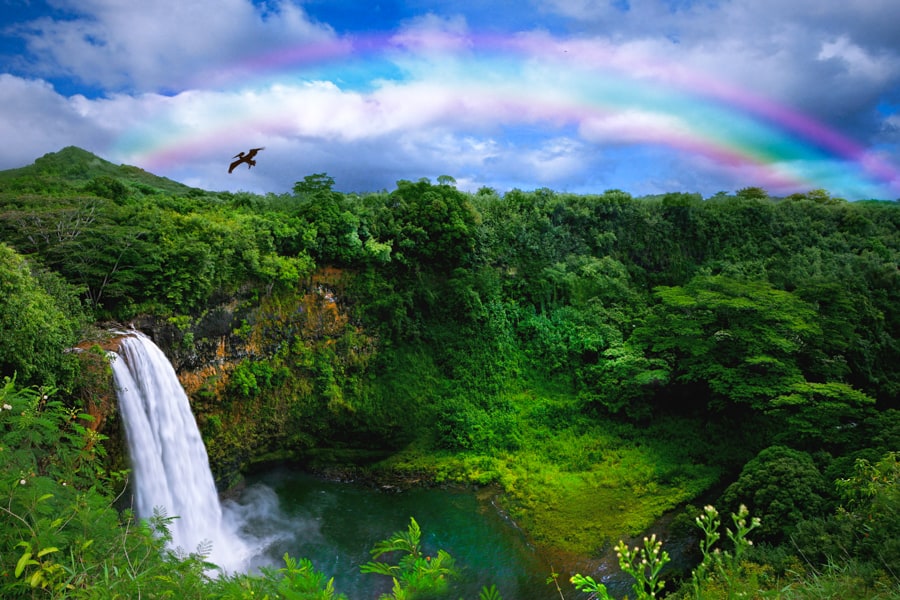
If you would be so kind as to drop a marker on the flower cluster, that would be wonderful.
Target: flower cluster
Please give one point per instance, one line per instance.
(644, 564)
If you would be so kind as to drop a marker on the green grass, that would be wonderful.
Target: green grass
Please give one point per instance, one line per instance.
(574, 483)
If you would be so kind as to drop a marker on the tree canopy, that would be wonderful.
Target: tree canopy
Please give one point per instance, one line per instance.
(739, 337)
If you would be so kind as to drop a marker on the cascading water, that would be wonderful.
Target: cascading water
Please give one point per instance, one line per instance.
(335, 524)
(170, 464)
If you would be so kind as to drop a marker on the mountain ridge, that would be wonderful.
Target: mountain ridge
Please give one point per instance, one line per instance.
(72, 168)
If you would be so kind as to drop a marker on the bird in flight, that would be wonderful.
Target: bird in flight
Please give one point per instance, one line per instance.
(245, 157)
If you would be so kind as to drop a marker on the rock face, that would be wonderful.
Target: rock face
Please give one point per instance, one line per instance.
(257, 372)
(193, 345)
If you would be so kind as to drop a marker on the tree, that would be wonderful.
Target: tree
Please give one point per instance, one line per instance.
(34, 331)
(752, 193)
(782, 487)
(107, 187)
(314, 184)
(335, 226)
(820, 415)
(739, 339)
(436, 224)
(871, 503)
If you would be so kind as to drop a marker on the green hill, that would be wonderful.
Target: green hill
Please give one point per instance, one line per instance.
(73, 169)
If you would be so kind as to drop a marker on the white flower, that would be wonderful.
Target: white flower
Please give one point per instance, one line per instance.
(22, 482)
(7, 407)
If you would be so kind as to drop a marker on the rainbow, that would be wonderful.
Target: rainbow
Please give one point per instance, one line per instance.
(604, 94)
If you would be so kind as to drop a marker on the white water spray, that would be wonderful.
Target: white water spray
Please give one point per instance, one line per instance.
(170, 464)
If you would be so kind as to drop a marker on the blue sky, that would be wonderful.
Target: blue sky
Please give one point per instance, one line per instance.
(574, 95)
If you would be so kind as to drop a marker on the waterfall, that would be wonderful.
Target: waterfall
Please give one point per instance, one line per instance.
(169, 461)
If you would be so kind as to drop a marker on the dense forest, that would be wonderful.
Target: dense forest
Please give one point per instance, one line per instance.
(604, 360)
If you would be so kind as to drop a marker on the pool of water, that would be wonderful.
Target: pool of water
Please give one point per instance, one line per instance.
(335, 525)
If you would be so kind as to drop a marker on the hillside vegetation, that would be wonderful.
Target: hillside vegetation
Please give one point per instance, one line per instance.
(602, 359)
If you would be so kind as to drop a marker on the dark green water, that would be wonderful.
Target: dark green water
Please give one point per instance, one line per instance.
(336, 524)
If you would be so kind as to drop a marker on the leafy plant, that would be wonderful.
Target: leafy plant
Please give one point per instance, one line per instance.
(871, 505)
(725, 565)
(414, 574)
(643, 563)
(781, 485)
(34, 329)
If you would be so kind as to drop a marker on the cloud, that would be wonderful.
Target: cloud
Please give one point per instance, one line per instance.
(541, 107)
(591, 11)
(891, 127)
(857, 62)
(787, 51)
(36, 120)
(161, 45)
(432, 33)
(634, 126)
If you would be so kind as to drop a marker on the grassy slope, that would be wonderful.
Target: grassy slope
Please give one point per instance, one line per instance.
(576, 484)
(73, 167)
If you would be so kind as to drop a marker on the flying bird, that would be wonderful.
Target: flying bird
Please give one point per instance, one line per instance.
(243, 157)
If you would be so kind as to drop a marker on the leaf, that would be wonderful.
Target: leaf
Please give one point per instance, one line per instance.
(378, 567)
(586, 583)
(37, 579)
(47, 551)
(24, 561)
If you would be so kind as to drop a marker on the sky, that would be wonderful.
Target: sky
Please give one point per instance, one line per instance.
(580, 96)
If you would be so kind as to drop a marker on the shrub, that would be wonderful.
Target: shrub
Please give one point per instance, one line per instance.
(782, 486)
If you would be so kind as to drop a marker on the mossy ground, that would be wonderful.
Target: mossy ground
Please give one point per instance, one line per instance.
(574, 483)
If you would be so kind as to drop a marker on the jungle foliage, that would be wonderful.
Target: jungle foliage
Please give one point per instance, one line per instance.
(578, 350)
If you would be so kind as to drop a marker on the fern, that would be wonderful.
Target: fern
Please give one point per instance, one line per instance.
(414, 572)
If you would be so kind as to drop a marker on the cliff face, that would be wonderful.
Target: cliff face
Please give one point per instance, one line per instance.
(267, 379)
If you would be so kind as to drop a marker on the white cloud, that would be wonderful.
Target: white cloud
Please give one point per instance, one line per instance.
(555, 160)
(36, 120)
(773, 48)
(858, 62)
(161, 45)
(634, 126)
(432, 33)
(441, 113)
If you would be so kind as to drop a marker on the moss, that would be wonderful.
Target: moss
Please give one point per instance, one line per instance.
(576, 486)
